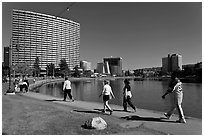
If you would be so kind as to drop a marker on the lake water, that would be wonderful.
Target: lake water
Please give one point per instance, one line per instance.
(146, 94)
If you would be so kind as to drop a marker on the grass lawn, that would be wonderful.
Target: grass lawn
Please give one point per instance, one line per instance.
(26, 116)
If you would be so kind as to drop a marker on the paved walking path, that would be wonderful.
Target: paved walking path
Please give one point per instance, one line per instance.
(149, 119)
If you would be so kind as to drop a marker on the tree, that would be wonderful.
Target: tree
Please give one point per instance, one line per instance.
(76, 71)
(50, 69)
(128, 73)
(87, 73)
(36, 67)
(22, 68)
(64, 69)
(198, 71)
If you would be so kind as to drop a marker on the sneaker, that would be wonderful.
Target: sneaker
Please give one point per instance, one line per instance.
(181, 121)
(111, 111)
(135, 110)
(72, 100)
(167, 116)
(103, 111)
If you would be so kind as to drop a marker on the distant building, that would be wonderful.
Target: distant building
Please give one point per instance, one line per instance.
(113, 66)
(85, 65)
(172, 63)
(100, 68)
(47, 37)
(165, 64)
(176, 61)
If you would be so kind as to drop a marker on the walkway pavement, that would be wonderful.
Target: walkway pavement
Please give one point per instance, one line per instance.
(149, 119)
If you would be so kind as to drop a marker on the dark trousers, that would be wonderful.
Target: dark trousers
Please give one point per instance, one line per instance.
(127, 101)
(25, 87)
(67, 91)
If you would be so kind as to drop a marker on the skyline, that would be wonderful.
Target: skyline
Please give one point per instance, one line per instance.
(141, 33)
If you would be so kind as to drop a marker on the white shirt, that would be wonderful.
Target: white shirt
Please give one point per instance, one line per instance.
(178, 88)
(67, 85)
(24, 83)
(107, 90)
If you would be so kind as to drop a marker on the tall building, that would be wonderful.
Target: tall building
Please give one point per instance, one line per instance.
(172, 63)
(176, 60)
(113, 66)
(44, 36)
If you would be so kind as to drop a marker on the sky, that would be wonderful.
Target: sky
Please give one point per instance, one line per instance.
(141, 33)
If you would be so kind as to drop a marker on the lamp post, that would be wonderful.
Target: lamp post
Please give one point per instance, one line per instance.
(14, 67)
(58, 15)
(53, 71)
(67, 9)
(10, 60)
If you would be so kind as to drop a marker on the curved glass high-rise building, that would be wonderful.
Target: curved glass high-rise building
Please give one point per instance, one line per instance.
(44, 36)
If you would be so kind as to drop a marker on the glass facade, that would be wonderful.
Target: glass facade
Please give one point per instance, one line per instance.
(47, 37)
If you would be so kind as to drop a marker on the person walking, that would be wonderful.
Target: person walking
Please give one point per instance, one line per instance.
(107, 95)
(175, 88)
(16, 86)
(127, 95)
(67, 89)
(27, 84)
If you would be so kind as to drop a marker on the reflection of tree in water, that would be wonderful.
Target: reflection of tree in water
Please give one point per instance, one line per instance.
(77, 89)
(49, 89)
(57, 90)
(53, 89)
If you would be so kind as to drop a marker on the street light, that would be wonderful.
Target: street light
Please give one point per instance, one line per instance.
(67, 9)
(10, 90)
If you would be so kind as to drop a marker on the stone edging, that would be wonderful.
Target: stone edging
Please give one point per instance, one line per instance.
(38, 84)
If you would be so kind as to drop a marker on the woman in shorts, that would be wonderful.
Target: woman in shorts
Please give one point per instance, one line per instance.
(107, 95)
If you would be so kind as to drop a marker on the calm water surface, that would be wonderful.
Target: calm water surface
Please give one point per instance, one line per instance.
(146, 94)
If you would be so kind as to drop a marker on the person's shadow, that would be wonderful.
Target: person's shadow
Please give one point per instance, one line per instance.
(52, 100)
(139, 118)
(91, 111)
(119, 110)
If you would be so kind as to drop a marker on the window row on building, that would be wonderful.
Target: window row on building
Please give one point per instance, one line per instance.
(46, 37)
